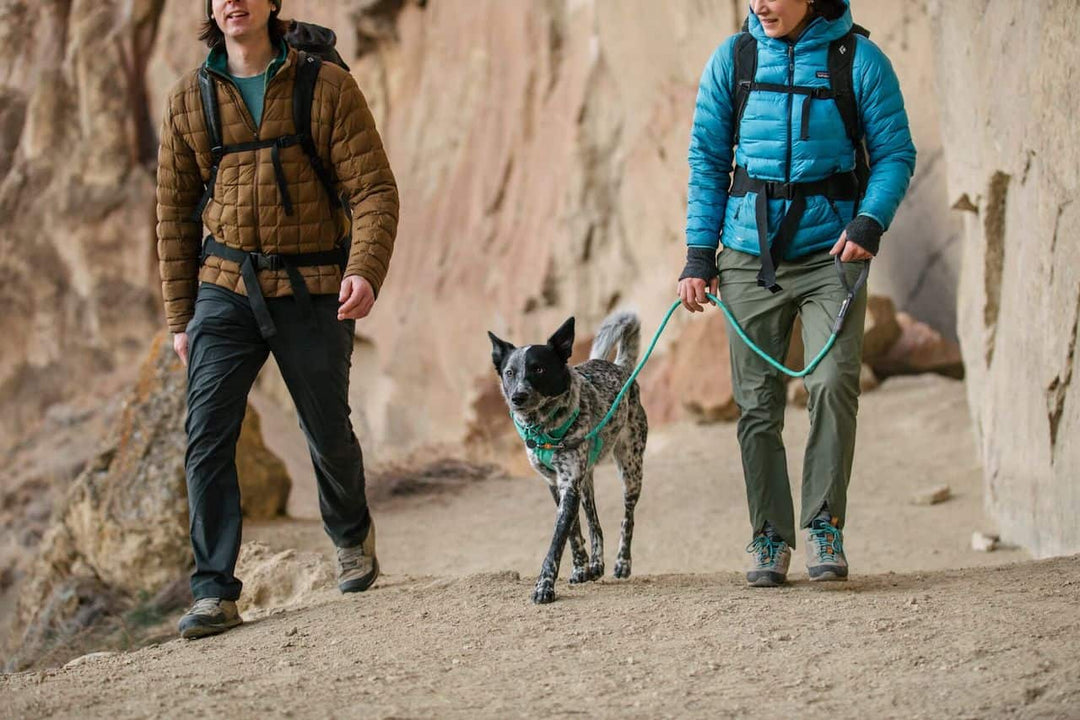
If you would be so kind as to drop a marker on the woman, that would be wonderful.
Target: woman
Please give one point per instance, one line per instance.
(796, 202)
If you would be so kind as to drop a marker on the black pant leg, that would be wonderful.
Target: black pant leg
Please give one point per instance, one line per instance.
(225, 353)
(314, 355)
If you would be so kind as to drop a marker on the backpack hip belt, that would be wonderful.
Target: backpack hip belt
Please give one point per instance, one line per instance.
(841, 186)
(251, 262)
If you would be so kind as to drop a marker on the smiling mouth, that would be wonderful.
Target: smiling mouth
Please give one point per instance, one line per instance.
(236, 15)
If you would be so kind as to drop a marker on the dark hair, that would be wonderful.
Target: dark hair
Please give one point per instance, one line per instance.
(830, 9)
(211, 34)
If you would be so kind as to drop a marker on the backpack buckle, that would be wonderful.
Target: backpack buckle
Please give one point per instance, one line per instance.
(218, 151)
(262, 261)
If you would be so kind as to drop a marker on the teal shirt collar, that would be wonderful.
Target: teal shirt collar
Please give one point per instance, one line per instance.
(218, 61)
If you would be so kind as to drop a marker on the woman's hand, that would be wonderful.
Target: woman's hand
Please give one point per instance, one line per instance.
(692, 293)
(849, 250)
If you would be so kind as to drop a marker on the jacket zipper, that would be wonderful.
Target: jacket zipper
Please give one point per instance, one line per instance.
(249, 120)
(790, 96)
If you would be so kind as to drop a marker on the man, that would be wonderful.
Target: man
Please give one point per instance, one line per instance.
(273, 276)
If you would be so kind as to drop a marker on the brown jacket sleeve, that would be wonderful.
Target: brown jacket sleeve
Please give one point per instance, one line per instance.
(179, 188)
(365, 177)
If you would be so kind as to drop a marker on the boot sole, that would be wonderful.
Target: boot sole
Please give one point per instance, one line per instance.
(194, 632)
(827, 574)
(766, 579)
(361, 584)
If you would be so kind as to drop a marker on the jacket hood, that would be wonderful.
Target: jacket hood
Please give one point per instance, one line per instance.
(819, 32)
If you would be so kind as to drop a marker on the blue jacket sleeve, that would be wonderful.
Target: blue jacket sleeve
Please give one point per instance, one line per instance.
(887, 133)
(711, 150)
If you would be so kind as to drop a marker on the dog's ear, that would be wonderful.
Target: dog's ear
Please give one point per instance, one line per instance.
(562, 342)
(500, 350)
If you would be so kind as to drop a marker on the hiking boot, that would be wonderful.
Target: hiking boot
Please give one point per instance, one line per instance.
(357, 566)
(209, 616)
(825, 550)
(770, 558)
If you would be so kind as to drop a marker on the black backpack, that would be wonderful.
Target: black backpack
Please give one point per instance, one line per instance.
(316, 45)
(841, 65)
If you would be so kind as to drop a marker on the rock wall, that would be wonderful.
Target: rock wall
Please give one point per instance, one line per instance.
(540, 146)
(1009, 85)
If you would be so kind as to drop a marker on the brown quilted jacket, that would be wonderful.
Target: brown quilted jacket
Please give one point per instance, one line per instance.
(246, 211)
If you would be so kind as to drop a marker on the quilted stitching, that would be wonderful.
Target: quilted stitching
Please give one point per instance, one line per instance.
(246, 211)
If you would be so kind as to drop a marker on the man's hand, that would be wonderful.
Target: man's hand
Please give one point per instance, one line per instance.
(849, 251)
(180, 345)
(357, 297)
(692, 292)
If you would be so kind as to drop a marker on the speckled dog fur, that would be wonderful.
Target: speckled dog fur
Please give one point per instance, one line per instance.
(542, 390)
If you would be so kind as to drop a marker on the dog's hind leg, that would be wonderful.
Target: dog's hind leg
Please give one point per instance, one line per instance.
(629, 454)
(569, 504)
(596, 535)
(577, 545)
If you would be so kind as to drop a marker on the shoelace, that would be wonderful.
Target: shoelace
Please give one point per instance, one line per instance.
(827, 540)
(206, 606)
(351, 558)
(766, 548)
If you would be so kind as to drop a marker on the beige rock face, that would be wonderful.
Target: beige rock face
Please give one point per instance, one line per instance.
(1009, 83)
(77, 266)
(540, 148)
(121, 532)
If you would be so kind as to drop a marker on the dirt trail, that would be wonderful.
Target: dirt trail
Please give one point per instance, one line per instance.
(449, 631)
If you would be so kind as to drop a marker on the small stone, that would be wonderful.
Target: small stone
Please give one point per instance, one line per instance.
(84, 659)
(982, 542)
(783, 638)
(932, 496)
(291, 631)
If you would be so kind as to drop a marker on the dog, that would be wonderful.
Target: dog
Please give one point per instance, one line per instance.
(554, 406)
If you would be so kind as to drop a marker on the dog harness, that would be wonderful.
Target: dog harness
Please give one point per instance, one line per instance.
(544, 444)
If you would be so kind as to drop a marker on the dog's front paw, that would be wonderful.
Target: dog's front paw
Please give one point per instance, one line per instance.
(596, 570)
(544, 592)
(580, 574)
(622, 568)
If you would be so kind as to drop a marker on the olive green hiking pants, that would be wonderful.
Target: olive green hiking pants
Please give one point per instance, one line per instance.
(812, 291)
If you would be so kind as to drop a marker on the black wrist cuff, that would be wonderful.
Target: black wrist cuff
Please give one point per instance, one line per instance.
(865, 232)
(700, 264)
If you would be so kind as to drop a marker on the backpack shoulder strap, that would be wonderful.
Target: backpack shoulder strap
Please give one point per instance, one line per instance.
(745, 64)
(842, 79)
(212, 121)
(211, 113)
(307, 73)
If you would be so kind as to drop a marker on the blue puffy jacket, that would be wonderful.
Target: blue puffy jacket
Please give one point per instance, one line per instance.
(769, 135)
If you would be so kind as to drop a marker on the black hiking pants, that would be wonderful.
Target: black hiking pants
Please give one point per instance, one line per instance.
(225, 353)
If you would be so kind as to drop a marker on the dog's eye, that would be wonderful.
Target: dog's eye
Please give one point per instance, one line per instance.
(510, 373)
(538, 370)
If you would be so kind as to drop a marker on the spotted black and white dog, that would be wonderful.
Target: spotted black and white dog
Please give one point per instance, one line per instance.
(548, 397)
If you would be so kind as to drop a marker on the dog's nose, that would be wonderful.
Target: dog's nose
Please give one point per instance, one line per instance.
(519, 398)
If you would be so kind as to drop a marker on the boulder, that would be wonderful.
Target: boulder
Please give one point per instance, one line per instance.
(121, 531)
(918, 349)
(274, 579)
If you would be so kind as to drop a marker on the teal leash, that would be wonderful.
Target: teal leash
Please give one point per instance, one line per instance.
(852, 291)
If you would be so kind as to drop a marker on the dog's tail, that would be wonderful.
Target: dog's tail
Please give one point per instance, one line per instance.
(622, 328)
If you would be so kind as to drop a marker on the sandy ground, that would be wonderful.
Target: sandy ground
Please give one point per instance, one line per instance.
(449, 631)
